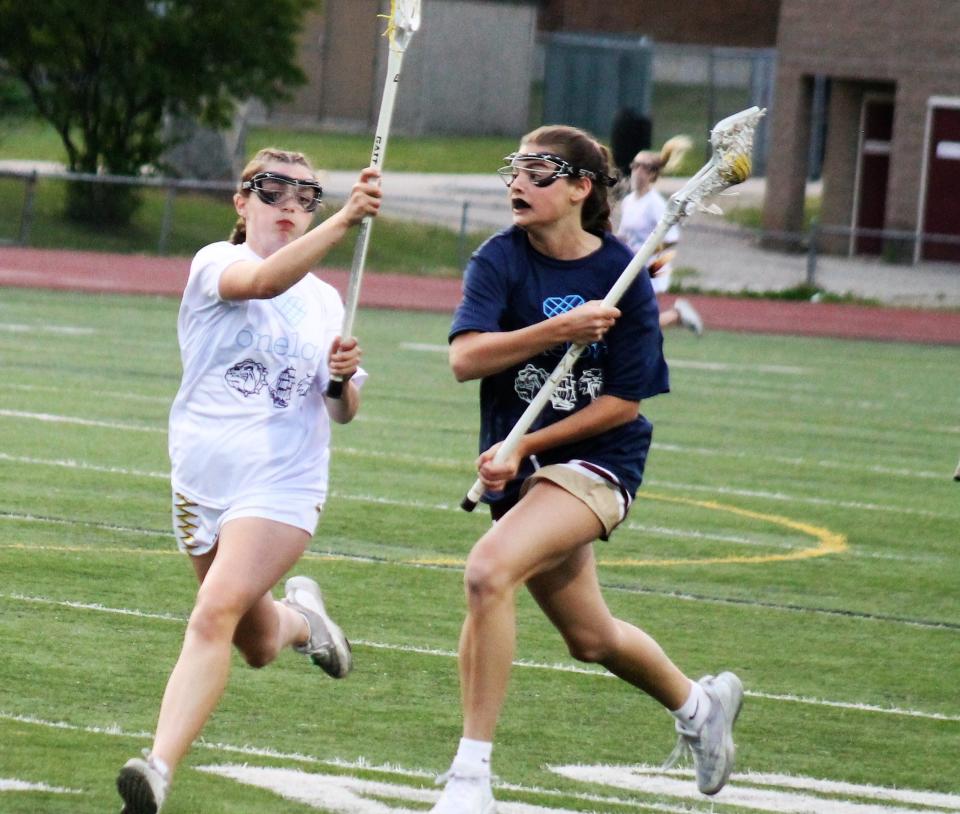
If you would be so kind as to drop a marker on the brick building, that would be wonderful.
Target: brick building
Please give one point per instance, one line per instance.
(487, 48)
(869, 87)
(466, 70)
(733, 23)
(886, 74)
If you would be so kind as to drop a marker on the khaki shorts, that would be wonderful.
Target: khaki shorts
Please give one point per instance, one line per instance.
(197, 527)
(602, 493)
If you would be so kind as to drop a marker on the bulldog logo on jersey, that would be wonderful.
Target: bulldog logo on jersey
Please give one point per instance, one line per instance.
(247, 377)
(529, 381)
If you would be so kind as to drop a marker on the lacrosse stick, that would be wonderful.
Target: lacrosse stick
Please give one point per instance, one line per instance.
(732, 143)
(404, 20)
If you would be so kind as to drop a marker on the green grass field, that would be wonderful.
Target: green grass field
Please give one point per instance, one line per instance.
(676, 109)
(798, 525)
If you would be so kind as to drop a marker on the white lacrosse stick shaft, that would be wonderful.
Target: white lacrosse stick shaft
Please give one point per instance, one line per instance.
(398, 45)
(722, 171)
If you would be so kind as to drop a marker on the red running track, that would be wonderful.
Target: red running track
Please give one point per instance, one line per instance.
(142, 274)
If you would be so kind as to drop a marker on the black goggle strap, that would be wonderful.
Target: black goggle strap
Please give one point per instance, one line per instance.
(256, 183)
(564, 169)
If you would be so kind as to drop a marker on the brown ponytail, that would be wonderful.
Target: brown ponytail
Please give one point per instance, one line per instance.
(669, 157)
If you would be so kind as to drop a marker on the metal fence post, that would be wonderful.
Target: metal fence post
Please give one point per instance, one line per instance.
(166, 224)
(26, 216)
(812, 240)
(462, 237)
(711, 94)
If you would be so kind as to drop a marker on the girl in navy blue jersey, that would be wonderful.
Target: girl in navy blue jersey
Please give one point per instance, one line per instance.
(529, 292)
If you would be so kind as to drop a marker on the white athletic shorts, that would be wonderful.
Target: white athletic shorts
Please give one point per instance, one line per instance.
(197, 527)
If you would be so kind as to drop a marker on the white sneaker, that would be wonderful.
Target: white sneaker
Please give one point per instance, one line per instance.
(689, 318)
(712, 747)
(327, 647)
(142, 786)
(465, 792)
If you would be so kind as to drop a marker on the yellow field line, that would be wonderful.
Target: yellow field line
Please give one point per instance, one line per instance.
(828, 542)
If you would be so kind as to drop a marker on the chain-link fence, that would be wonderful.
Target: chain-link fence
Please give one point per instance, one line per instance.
(178, 216)
(587, 79)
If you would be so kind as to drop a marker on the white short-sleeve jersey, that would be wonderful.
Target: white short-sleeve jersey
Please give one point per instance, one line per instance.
(249, 418)
(639, 216)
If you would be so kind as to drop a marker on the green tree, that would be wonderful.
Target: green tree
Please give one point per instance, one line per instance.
(105, 73)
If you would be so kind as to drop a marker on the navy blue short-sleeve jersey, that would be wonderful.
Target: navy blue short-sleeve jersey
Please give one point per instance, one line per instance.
(509, 285)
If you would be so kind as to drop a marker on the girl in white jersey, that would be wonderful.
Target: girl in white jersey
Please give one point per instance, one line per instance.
(249, 446)
(640, 212)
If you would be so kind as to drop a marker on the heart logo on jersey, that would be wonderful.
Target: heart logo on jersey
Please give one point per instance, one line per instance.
(291, 307)
(560, 305)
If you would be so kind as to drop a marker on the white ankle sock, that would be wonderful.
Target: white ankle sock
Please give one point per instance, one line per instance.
(475, 755)
(695, 709)
(160, 766)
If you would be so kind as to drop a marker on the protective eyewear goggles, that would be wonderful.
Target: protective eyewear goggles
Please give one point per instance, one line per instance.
(545, 168)
(273, 189)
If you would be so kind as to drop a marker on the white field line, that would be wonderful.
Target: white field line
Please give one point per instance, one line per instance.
(765, 792)
(788, 370)
(862, 616)
(744, 788)
(798, 392)
(67, 330)
(728, 367)
(758, 791)
(61, 521)
(826, 394)
(879, 436)
(342, 794)
(69, 463)
(693, 534)
(109, 395)
(781, 497)
(406, 458)
(463, 465)
(145, 532)
(820, 463)
(926, 798)
(661, 531)
(114, 730)
(679, 449)
(130, 343)
(96, 607)
(337, 763)
(83, 422)
(11, 784)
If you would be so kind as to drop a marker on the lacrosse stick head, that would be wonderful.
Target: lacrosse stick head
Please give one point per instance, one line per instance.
(731, 141)
(402, 21)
